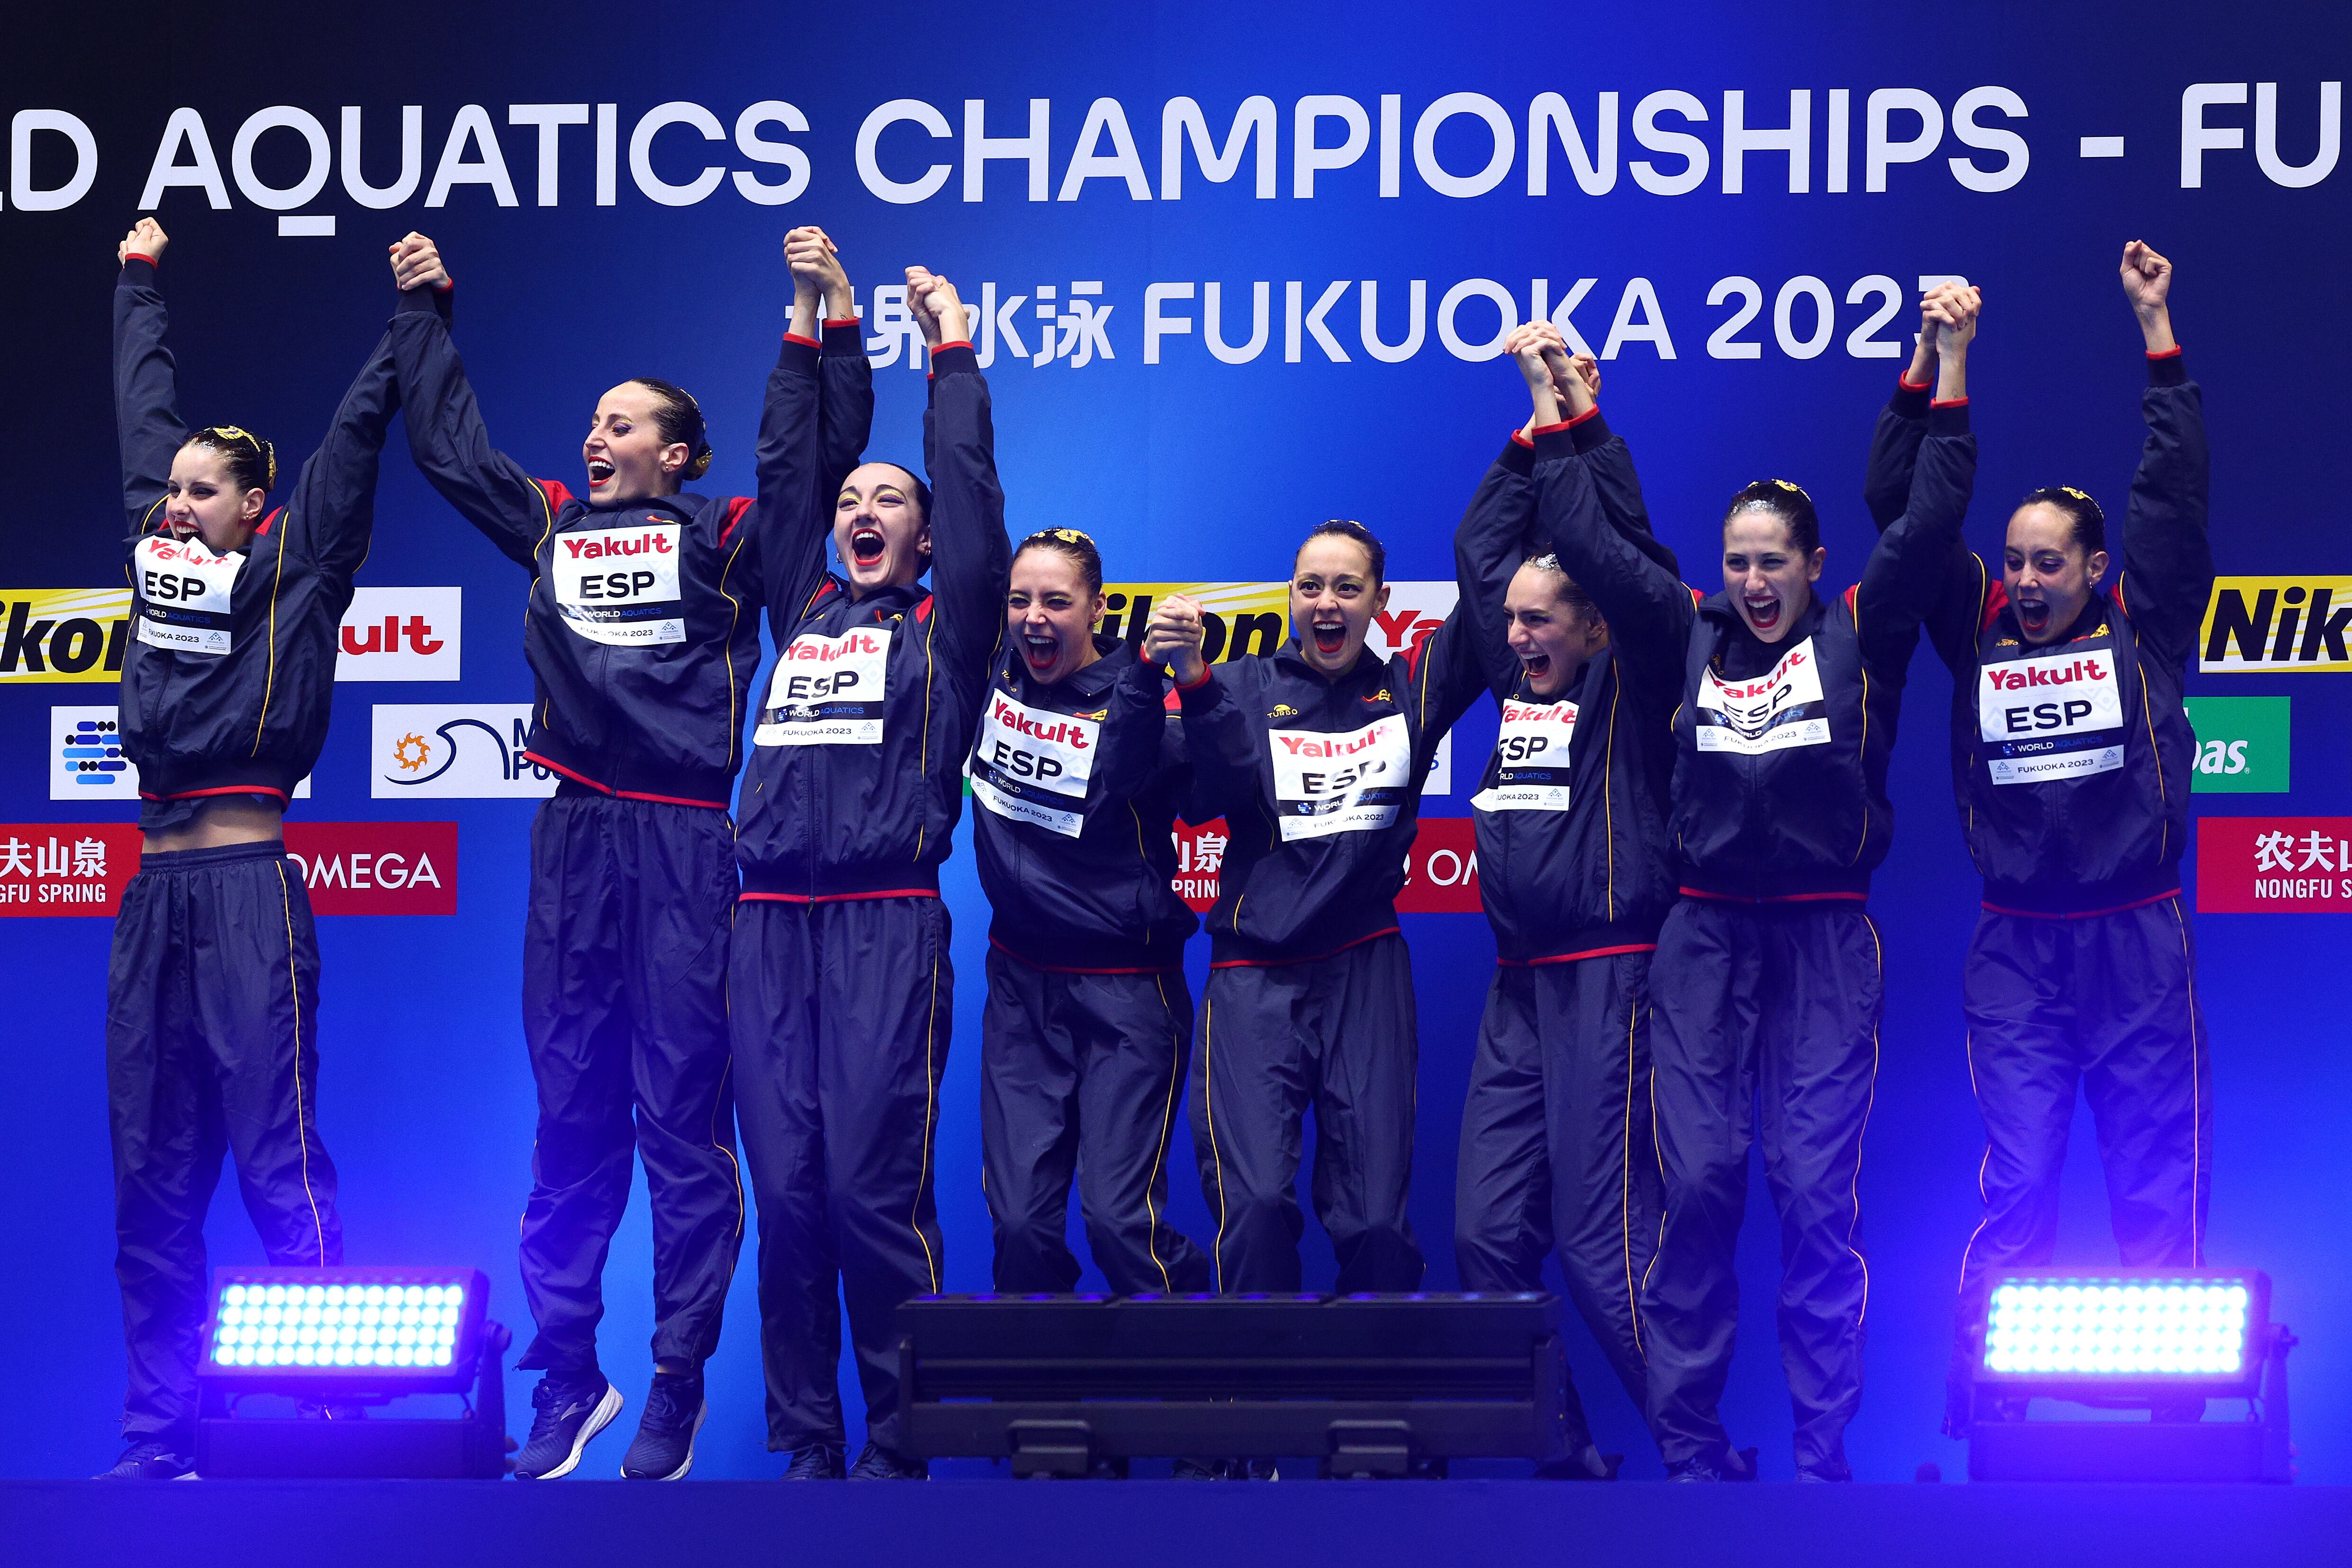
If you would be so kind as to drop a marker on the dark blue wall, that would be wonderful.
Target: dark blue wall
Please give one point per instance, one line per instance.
(1187, 469)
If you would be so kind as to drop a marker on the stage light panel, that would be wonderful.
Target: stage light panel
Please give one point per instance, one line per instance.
(2174, 1330)
(398, 1326)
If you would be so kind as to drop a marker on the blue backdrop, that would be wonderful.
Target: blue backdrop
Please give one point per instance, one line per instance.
(1943, 140)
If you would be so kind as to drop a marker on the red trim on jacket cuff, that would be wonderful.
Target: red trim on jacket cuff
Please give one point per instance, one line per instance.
(796, 338)
(1907, 384)
(130, 257)
(1519, 438)
(844, 321)
(953, 344)
(1572, 424)
(1206, 670)
(1947, 402)
(2172, 352)
(1552, 430)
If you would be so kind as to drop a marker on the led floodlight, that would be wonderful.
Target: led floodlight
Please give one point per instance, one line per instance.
(2162, 1341)
(341, 1339)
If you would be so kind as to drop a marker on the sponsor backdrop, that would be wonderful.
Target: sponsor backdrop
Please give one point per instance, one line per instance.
(1235, 269)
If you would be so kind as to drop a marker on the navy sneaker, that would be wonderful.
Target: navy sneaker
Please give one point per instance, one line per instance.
(880, 1464)
(1199, 1470)
(148, 1460)
(1723, 1466)
(815, 1462)
(663, 1450)
(571, 1410)
(1816, 1473)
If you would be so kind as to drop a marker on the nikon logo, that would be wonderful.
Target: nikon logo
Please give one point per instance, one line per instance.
(2255, 624)
(63, 633)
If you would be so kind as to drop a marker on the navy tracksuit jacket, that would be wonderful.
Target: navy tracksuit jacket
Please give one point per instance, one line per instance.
(1575, 871)
(642, 632)
(1309, 999)
(213, 982)
(1766, 985)
(841, 994)
(2071, 760)
(1087, 1031)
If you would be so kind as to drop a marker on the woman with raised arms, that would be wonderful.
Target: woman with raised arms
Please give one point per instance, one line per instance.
(2071, 757)
(840, 990)
(1316, 756)
(1576, 873)
(1766, 987)
(1077, 777)
(213, 984)
(642, 631)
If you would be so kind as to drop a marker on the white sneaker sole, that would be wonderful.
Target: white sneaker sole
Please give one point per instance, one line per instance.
(598, 1419)
(678, 1474)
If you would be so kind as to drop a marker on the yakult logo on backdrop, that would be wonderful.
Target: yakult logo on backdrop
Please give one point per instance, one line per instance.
(401, 634)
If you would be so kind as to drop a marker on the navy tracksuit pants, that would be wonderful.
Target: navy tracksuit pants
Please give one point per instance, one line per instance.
(625, 1013)
(1556, 1150)
(211, 1046)
(1764, 1028)
(1334, 1034)
(841, 1011)
(2107, 1002)
(1081, 1074)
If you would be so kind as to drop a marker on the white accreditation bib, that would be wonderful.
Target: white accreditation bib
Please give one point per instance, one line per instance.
(619, 585)
(1348, 783)
(1771, 713)
(1531, 758)
(2051, 716)
(184, 592)
(1033, 764)
(827, 691)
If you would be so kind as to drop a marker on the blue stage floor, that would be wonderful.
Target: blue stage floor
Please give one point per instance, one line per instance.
(1148, 1524)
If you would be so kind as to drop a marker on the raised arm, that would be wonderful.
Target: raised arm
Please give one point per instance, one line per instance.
(2167, 551)
(146, 383)
(446, 434)
(796, 482)
(331, 512)
(1893, 462)
(846, 411)
(1630, 576)
(970, 557)
(1498, 533)
(1912, 569)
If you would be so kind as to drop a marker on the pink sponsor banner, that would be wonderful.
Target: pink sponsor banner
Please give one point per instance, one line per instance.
(2273, 865)
(1442, 877)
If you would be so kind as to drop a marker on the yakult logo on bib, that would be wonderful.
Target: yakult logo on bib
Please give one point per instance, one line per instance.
(1769, 713)
(827, 691)
(1033, 764)
(619, 585)
(1531, 758)
(185, 593)
(1348, 783)
(2052, 716)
